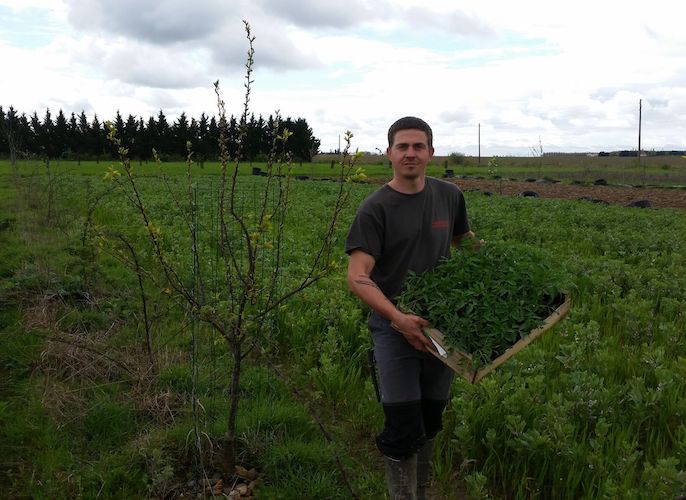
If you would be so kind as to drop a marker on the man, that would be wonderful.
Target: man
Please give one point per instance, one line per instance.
(407, 225)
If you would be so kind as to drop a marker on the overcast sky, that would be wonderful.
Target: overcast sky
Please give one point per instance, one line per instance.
(566, 73)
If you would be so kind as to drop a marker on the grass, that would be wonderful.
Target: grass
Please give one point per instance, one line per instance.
(660, 170)
(91, 413)
(653, 170)
(586, 403)
(593, 409)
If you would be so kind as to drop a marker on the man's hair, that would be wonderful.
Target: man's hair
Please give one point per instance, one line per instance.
(410, 122)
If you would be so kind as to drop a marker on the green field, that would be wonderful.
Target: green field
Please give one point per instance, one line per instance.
(653, 170)
(657, 170)
(595, 409)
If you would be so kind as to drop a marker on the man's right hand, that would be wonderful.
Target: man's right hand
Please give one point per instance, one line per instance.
(360, 267)
(411, 328)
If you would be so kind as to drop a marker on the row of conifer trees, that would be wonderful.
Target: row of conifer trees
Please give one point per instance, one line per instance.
(75, 137)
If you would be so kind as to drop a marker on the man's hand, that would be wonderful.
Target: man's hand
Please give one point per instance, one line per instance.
(360, 267)
(468, 240)
(411, 328)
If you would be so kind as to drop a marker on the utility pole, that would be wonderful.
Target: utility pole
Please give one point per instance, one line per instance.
(639, 131)
(640, 102)
(479, 161)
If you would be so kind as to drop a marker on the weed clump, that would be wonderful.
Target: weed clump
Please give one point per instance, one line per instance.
(484, 301)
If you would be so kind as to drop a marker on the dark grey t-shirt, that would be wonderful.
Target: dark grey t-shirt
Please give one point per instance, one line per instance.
(407, 232)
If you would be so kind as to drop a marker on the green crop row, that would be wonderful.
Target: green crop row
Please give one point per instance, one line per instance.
(596, 409)
(593, 409)
(654, 170)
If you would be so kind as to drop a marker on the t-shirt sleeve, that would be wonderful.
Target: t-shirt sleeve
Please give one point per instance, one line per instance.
(366, 233)
(461, 225)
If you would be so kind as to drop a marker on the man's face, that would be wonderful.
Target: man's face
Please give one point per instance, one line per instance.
(409, 154)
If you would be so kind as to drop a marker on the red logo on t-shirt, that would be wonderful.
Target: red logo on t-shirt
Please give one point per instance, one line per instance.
(439, 224)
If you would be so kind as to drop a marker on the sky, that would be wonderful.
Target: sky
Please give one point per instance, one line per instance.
(530, 75)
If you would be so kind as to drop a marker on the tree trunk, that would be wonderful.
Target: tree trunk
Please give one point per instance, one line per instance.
(13, 160)
(230, 444)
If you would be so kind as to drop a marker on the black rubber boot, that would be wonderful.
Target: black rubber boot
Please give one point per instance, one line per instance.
(401, 478)
(424, 456)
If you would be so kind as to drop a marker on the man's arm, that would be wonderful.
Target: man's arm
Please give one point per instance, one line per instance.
(360, 268)
(459, 238)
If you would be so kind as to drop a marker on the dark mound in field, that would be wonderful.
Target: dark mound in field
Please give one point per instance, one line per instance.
(640, 204)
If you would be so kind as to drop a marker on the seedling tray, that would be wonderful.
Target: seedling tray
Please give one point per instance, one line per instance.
(461, 362)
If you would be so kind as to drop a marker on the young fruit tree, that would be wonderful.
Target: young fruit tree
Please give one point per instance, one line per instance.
(235, 280)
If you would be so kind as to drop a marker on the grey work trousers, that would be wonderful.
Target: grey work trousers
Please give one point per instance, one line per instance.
(414, 388)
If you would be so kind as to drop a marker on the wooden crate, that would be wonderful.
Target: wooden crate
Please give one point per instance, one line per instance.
(461, 362)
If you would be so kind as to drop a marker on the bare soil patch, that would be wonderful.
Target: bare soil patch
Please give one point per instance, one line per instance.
(614, 195)
(658, 197)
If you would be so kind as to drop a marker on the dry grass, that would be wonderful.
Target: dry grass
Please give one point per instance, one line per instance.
(72, 357)
(40, 314)
(68, 355)
(161, 407)
(77, 360)
(63, 403)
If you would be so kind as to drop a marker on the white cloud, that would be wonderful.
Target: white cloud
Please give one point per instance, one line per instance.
(569, 72)
(155, 21)
(452, 21)
(315, 13)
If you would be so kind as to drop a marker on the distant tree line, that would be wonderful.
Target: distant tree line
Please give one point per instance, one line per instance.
(629, 152)
(643, 152)
(77, 138)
